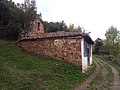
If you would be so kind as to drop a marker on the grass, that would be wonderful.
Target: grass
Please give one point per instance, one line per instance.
(117, 68)
(22, 71)
(91, 70)
(110, 77)
(112, 63)
(96, 81)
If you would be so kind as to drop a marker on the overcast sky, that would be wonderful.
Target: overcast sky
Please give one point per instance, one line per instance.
(96, 16)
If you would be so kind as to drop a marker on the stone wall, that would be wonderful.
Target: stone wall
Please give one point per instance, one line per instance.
(68, 49)
(37, 27)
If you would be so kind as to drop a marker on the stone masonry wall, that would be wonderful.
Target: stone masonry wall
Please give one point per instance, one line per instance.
(67, 49)
(38, 28)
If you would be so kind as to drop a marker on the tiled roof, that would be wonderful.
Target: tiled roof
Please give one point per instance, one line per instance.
(51, 35)
(59, 34)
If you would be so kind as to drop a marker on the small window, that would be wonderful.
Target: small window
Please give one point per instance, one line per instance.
(38, 26)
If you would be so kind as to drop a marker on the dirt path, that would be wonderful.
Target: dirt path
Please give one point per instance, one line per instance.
(84, 85)
(116, 80)
(104, 85)
(103, 80)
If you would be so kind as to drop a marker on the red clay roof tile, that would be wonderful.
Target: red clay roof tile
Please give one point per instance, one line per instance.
(51, 35)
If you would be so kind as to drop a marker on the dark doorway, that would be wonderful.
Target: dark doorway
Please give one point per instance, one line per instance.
(88, 56)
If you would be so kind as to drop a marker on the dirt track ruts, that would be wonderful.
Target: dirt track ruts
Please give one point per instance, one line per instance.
(84, 85)
(116, 80)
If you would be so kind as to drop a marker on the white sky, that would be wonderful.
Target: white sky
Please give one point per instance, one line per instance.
(95, 16)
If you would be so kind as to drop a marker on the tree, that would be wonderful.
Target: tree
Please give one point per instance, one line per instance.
(112, 34)
(55, 26)
(112, 38)
(15, 18)
(79, 29)
(72, 28)
(12, 29)
(3, 13)
(29, 12)
(98, 46)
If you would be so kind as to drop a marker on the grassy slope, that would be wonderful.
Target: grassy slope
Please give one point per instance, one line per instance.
(21, 71)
